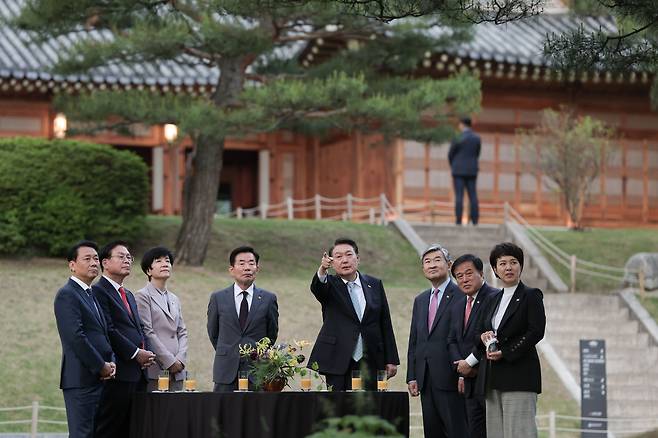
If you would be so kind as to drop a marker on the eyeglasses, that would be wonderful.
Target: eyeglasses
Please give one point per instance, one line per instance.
(124, 257)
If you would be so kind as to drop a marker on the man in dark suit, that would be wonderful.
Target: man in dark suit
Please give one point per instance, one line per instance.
(463, 157)
(430, 372)
(238, 315)
(468, 271)
(356, 333)
(125, 330)
(87, 358)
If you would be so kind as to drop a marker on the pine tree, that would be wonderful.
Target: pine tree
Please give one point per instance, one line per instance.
(262, 86)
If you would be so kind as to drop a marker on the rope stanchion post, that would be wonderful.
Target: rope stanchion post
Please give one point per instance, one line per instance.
(263, 211)
(371, 216)
(349, 206)
(238, 213)
(551, 425)
(382, 209)
(291, 213)
(34, 427)
(318, 207)
(572, 272)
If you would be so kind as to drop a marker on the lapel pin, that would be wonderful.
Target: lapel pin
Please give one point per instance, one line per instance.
(259, 297)
(369, 286)
(518, 299)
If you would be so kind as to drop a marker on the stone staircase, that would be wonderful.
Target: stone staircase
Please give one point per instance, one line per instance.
(479, 241)
(631, 356)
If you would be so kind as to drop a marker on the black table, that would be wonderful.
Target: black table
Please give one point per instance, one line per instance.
(257, 414)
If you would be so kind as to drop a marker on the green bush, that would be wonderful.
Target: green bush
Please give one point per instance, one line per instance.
(54, 193)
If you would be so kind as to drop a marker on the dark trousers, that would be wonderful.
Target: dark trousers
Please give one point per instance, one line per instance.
(113, 418)
(469, 182)
(343, 382)
(81, 407)
(444, 413)
(476, 417)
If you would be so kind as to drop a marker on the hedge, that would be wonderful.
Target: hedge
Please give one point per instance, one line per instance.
(55, 193)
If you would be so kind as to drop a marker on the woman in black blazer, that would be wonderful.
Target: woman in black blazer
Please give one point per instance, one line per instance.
(512, 324)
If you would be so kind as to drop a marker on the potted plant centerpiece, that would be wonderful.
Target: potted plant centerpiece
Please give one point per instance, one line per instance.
(272, 366)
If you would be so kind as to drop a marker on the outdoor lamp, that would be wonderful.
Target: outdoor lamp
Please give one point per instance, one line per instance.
(170, 132)
(59, 125)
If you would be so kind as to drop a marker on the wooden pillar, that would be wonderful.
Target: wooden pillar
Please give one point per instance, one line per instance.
(538, 187)
(496, 169)
(316, 166)
(357, 153)
(645, 182)
(624, 177)
(157, 179)
(167, 177)
(178, 177)
(517, 173)
(398, 172)
(275, 177)
(603, 196)
(426, 172)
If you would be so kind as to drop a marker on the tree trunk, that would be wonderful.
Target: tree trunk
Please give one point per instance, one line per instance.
(202, 177)
(199, 196)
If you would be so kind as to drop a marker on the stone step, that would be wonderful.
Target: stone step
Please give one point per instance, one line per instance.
(566, 340)
(612, 366)
(633, 392)
(593, 331)
(623, 378)
(558, 316)
(582, 301)
(628, 354)
(632, 409)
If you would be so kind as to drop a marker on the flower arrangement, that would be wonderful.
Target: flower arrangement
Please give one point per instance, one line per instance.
(273, 365)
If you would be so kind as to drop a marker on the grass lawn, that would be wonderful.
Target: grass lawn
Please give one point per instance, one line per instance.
(290, 253)
(603, 246)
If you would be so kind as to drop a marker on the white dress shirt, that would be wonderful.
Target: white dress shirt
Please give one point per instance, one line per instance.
(358, 290)
(502, 307)
(237, 294)
(116, 287)
(439, 296)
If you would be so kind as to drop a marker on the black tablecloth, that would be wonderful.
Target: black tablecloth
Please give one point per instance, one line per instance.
(257, 414)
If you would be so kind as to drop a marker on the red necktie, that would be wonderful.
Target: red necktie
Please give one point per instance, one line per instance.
(467, 313)
(122, 291)
(434, 304)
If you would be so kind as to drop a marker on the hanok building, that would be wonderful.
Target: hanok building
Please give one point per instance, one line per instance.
(269, 168)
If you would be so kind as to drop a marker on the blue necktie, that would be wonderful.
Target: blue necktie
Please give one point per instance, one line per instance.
(357, 354)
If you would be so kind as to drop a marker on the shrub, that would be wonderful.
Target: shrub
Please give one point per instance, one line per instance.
(54, 193)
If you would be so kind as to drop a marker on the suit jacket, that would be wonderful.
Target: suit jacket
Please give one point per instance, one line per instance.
(428, 358)
(464, 153)
(341, 326)
(225, 333)
(521, 328)
(164, 329)
(125, 331)
(462, 340)
(83, 333)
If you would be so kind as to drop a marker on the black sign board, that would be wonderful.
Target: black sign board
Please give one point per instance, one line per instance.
(593, 388)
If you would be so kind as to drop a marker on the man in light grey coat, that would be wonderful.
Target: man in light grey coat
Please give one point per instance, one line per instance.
(240, 314)
(162, 320)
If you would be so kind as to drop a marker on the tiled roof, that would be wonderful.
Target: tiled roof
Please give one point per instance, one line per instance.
(518, 42)
(522, 42)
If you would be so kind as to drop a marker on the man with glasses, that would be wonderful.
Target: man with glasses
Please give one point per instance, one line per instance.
(430, 372)
(127, 339)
